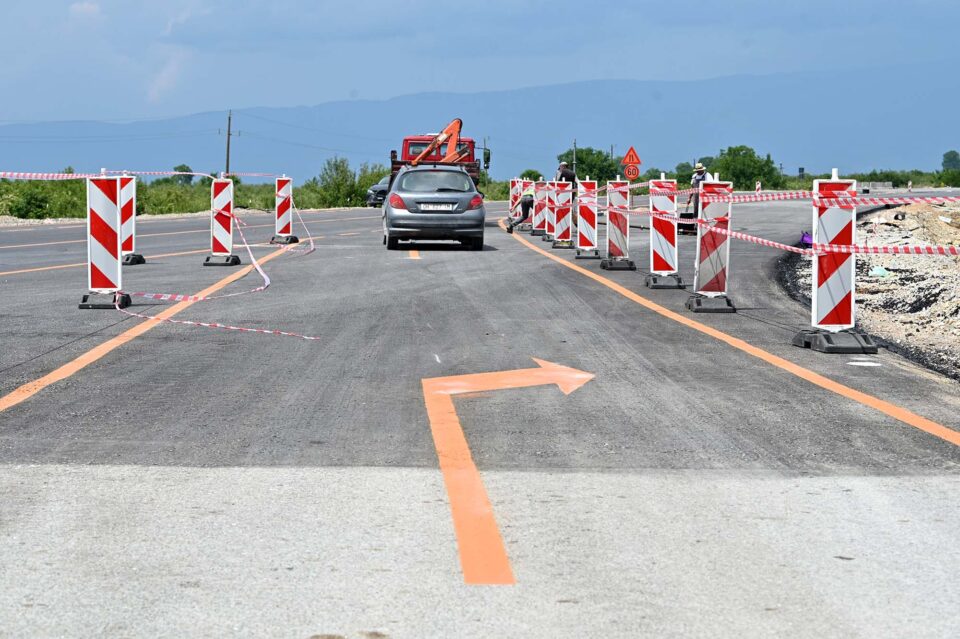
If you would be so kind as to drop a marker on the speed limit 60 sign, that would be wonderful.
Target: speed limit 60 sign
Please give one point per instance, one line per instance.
(631, 164)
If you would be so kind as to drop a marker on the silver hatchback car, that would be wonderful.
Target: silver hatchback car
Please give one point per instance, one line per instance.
(433, 202)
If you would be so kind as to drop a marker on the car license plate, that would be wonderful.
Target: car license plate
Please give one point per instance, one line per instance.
(437, 206)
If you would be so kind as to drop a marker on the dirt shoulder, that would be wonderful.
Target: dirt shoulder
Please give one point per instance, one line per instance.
(910, 303)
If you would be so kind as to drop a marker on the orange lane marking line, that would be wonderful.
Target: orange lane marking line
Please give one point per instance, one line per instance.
(414, 255)
(81, 264)
(187, 232)
(42, 268)
(28, 390)
(148, 257)
(483, 557)
(891, 410)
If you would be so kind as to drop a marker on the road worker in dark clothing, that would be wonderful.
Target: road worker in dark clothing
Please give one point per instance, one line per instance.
(566, 174)
(699, 175)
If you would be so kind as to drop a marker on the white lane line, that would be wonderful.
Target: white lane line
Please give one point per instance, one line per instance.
(437, 357)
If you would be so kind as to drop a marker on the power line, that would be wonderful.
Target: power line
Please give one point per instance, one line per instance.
(310, 146)
(310, 128)
(106, 138)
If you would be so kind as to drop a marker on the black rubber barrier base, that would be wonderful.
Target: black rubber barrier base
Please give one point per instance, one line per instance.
(132, 259)
(284, 239)
(588, 254)
(536, 232)
(222, 260)
(617, 264)
(526, 227)
(703, 304)
(563, 244)
(849, 342)
(657, 281)
(546, 237)
(104, 301)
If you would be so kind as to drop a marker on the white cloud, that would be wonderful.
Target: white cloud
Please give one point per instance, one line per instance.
(185, 16)
(167, 78)
(85, 8)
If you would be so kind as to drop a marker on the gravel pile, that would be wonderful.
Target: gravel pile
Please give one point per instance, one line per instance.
(911, 303)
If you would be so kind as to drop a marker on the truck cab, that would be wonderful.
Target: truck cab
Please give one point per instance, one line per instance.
(414, 145)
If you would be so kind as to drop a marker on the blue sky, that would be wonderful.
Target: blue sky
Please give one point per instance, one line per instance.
(120, 60)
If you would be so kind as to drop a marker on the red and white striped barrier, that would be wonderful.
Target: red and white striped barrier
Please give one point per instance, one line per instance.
(284, 201)
(104, 272)
(713, 249)
(563, 215)
(283, 212)
(758, 188)
(128, 221)
(539, 209)
(514, 198)
(834, 273)
(618, 228)
(221, 224)
(551, 226)
(587, 219)
(663, 230)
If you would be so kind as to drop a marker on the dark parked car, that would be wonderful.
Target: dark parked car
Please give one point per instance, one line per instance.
(377, 192)
(434, 202)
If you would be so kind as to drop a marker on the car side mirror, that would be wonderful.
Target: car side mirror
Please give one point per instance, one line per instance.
(482, 194)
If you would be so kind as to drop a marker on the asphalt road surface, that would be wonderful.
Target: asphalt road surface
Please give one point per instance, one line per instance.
(658, 473)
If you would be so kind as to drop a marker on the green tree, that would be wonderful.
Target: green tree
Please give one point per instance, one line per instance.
(369, 175)
(684, 171)
(531, 174)
(592, 163)
(950, 178)
(742, 166)
(337, 183)
(652, 173)
(707, 161)
(183, 180)
(951, 161)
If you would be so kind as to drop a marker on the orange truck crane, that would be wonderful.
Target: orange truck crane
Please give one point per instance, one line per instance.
(428, 149)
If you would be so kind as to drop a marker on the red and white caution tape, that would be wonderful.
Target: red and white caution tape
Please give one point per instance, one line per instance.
(260, 175)
(888, 250)
(761, 197)
(816, 249)
(216, 325)
(225, 327)
(877, 201)
(16, 175)
(160, 173)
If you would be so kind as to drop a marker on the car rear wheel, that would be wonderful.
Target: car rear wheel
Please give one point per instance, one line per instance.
(476, 243)
(392, 243)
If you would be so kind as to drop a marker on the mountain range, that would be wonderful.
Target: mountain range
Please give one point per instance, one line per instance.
(894, 118)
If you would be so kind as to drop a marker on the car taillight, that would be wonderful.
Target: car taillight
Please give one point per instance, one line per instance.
(476, 202)
(397, 202)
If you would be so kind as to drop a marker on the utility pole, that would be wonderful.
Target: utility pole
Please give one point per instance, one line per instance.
(229, 134)
(574, 155)
(611, 151)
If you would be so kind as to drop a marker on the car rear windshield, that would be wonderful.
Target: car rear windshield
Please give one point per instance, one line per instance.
(433, 181)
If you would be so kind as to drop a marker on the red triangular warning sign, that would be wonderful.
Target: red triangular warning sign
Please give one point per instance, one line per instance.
(631, 157)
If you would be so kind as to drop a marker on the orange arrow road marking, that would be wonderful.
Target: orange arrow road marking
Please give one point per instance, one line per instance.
(483, 557)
